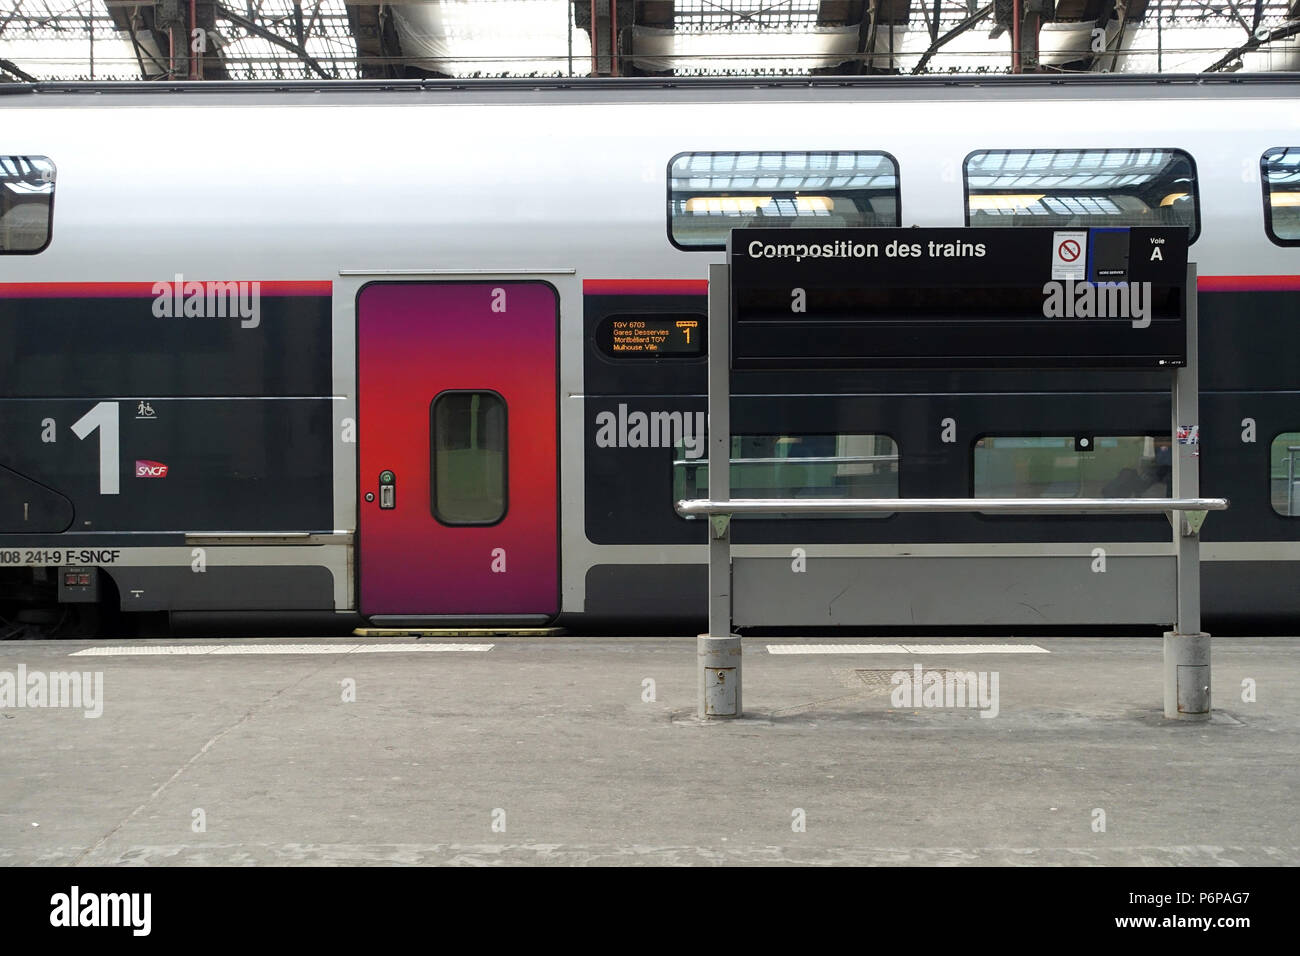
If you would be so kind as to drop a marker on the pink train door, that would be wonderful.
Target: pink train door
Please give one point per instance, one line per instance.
(457, 402)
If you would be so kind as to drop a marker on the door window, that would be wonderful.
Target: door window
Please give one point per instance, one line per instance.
(468, 467)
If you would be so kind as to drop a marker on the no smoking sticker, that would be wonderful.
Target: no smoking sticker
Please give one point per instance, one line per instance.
(1070, 255)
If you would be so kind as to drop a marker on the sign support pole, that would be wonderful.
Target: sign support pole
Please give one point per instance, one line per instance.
(718, 652)
(1187, 647)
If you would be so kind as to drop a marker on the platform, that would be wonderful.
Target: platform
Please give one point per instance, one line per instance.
(558, 742)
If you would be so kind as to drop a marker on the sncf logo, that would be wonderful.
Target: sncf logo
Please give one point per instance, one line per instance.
(150, 469)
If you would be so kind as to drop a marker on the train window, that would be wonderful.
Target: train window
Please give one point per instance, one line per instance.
(1082, 187)
(1075, 466)
(1284, 474)
(798, 466)
(26, 204)
(468, 452)
(1280, 173)
(709, 194)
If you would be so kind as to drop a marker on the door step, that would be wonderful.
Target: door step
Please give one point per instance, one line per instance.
(504, 631)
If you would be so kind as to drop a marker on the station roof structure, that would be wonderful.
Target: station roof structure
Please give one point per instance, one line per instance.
(328, 39)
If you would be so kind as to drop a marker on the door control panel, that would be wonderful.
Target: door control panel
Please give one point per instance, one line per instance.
(387, 490)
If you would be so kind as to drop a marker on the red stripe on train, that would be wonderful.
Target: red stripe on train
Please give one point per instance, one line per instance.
(645, 286)
(701, 286)
(142, 290)
(1248, 283)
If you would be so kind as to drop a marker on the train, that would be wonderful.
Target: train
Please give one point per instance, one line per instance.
(434, 353)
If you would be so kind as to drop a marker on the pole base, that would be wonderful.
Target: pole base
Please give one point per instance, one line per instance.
(718, 676)
(1187, 676)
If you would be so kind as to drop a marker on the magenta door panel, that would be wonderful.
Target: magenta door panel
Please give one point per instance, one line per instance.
(421, 340)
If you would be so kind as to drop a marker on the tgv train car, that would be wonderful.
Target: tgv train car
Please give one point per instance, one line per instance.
(421, 353)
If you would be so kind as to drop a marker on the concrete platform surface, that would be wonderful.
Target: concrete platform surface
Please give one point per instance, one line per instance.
(581, 750)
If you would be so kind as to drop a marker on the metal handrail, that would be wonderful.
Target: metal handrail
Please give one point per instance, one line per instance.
(695, 507)
(1290, 478)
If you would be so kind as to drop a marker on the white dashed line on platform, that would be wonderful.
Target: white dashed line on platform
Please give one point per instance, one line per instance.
(975, 649)
(906, 649)
(216, 650)
(836, 649)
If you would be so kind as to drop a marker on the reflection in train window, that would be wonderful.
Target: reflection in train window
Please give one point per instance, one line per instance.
(1284, 474)
(26, 203)
(1280, 172)
(1077, 466)
(1081, 187)
(798, 466)
(709, 194)
(468, 451)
